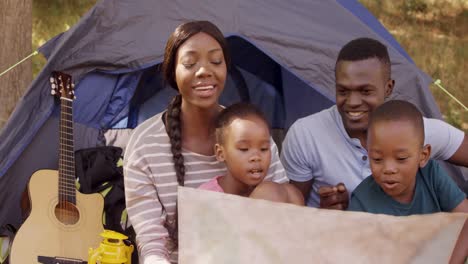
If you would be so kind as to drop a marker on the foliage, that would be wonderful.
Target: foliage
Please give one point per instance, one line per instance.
(435, 34)
(414, 7)
(52, 17)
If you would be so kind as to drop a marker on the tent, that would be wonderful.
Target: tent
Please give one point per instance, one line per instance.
(283, 56)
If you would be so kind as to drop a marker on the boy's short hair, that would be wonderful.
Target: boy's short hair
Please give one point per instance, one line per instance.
(398, 110)
(363, 49)
(237, 110)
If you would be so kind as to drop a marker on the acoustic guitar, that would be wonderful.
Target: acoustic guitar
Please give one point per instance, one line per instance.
(64, 223)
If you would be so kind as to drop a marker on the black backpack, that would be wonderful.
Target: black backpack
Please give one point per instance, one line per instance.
(99, 170)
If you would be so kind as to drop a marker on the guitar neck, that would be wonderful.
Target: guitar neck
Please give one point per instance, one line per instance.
(67, 189)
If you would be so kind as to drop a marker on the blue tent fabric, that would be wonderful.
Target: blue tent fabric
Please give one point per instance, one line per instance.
(115, 91)
(283, 53)
(15, 137)
(367, 18)
(49, 46)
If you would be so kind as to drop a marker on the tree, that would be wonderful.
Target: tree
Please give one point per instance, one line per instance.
(15, 44)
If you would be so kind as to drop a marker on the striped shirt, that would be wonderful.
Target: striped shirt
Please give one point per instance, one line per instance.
(151, 184)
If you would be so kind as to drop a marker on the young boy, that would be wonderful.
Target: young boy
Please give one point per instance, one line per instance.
(404, 181)
(243, 144)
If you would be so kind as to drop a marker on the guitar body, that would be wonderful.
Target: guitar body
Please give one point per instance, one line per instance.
(43, 234)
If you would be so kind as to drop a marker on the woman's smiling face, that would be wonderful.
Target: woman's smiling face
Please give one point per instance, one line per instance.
(200, 71)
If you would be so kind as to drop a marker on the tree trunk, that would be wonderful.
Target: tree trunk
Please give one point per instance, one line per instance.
(15, 44)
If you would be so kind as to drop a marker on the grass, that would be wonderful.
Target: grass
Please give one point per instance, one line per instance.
(435, 35)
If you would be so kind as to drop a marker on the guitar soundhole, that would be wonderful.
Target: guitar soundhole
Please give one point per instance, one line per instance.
(67, 213)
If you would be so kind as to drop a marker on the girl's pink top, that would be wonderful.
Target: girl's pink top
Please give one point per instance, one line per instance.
(212, 185)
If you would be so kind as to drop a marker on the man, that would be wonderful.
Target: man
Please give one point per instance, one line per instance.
(325, 154)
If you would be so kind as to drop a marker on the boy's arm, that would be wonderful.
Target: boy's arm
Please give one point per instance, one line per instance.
(460, 251)
(448, 193)
(462, 207)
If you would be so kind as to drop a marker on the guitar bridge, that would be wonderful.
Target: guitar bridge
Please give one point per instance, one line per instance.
(59, 260)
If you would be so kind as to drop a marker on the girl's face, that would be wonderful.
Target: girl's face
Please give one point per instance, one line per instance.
(246, 150)
(200, 71)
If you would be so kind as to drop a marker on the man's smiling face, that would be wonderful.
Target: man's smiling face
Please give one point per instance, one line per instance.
(361, 86)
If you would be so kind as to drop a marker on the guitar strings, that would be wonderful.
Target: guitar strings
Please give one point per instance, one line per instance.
(67, 170)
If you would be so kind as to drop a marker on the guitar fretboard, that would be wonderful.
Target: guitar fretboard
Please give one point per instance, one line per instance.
(67, 189)
(58, 260)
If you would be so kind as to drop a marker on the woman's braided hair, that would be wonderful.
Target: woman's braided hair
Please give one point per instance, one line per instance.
(173, 114)
(174, 129)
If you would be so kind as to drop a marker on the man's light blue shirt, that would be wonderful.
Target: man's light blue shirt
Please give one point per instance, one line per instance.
(318, 147)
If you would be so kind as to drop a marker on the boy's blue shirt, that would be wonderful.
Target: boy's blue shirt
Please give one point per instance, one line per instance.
(434, 192)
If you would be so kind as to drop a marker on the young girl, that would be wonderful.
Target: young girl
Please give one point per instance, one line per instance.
(176, 147)
(243, 144)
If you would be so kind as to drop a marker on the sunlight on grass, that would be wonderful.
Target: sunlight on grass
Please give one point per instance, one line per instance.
(435, 35)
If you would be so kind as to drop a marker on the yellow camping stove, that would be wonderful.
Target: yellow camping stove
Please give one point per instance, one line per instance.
(112, 250)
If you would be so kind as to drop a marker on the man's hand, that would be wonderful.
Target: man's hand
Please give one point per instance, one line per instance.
(334, 197)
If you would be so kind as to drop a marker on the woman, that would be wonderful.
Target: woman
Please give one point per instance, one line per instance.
(176, 147)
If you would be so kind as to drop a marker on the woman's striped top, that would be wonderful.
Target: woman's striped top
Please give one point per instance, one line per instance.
(151, 184)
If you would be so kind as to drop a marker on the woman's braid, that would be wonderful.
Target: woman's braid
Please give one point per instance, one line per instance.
(175, 135)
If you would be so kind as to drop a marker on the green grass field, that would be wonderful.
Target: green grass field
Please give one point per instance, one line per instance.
(435, 34)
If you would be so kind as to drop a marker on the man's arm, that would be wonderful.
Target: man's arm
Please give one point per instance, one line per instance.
(304, 187)
(331, 197)
(448, 142)
(460, 157)
(296, 160)
(334, 197)
(299, 162)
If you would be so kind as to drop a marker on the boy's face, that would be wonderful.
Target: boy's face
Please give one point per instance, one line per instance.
(361, 86)
(395, 154)
(246, 150)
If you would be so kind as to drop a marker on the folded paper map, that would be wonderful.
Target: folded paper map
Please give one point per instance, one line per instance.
(222, 228)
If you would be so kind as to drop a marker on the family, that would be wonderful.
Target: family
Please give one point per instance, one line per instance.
(365, 153)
